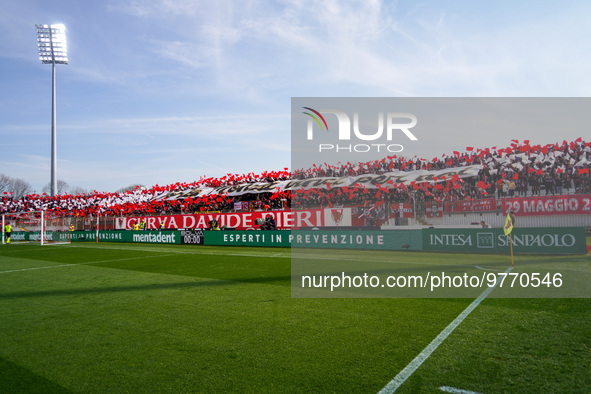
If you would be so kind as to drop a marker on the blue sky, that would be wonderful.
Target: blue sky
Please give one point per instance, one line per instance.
(160, 91)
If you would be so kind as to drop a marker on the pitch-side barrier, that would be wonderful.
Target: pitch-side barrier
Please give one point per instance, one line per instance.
(545, 240)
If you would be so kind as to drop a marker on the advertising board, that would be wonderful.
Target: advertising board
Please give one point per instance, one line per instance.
(546, 240)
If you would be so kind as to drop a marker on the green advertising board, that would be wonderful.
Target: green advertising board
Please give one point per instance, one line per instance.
(104, 236)
(159, 237)
(54, 236)
(248, 238)
(18, 236)
(332, 239)
(346, 239)
(155, 237)
(548, 240)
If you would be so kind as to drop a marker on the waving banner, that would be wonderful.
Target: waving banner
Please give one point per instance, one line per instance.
(369, 181)
(548, 205)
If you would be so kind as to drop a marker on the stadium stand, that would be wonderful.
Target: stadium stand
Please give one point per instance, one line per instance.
(522, 169)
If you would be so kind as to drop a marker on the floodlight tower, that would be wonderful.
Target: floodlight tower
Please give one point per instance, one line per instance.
(51, 41)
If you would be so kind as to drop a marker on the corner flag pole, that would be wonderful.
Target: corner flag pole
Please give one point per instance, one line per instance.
(509, 223)
(511, 243)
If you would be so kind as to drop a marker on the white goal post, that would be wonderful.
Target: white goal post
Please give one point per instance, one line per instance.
(35, 227)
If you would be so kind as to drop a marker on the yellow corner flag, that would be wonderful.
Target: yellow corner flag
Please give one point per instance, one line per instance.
(508, 225)
(507, 229)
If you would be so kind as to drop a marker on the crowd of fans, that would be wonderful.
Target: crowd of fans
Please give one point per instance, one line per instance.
(519, 170)
(146, 201)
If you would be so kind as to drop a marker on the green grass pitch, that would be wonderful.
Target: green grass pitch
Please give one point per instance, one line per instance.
(112, 318)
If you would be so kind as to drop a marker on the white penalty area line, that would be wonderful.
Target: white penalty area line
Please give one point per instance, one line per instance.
(342, 258)
(35, 248)
(418, 361)
(175, 253)
(76, 264)
(486, 269)
(454, 390)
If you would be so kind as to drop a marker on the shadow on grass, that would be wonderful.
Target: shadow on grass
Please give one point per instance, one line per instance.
(280, 280)
(17, 379)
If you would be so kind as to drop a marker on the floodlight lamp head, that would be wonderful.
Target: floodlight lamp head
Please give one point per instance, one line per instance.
(51, 42)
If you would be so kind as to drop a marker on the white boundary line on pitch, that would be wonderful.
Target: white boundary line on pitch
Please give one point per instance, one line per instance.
(73, 265)
(486, 269)
(146, 248)
(188, 252)
(454, 390)
(418, 361)
(273, 255)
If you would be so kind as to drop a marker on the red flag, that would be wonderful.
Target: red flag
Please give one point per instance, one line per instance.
(470, 148)
(515, 177)
(583, 171)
